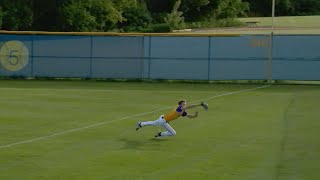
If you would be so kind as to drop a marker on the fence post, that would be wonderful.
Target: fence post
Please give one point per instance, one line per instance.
(91, 53)
(149, 59)
(271, 58)
(32, 55)
(209, 58)
(142, 59)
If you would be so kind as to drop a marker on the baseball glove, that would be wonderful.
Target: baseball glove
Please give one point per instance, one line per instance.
(205, 105)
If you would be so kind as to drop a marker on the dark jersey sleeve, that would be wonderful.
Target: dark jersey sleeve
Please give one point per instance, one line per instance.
(184, 113)
(179, 109)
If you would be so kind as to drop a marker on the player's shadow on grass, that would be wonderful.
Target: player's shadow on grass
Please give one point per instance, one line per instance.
(140, 144)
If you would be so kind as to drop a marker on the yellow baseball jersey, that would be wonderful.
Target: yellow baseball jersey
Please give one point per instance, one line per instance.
(174, 114)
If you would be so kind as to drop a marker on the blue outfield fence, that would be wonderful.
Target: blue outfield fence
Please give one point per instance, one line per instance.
(248, 57)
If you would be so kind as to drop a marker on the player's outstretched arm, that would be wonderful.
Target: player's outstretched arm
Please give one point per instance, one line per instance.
(204, 105)
(191, 106)
(193, 116)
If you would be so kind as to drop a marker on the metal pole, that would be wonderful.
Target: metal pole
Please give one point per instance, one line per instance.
(142, 59)
(209, 56)
(271, 40)
(91, 58)
(273, 12)
(149, 58)
(271, 57)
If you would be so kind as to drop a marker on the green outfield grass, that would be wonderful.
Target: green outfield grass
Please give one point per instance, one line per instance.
(282, 25)
(287, 21)
(86, 130)
(264, 31)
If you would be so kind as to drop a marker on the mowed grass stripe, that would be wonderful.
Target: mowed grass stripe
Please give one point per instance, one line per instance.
(300, 154)
(116, 119)
(238, 138)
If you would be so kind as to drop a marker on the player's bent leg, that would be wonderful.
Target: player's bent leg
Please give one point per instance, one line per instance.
(150, 123)
(170, 131)
(138, 126)
(153, 123)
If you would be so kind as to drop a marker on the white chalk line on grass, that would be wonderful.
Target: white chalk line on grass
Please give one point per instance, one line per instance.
(120, 119)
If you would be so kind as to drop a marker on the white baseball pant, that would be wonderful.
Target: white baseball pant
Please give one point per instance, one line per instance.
(161, 122)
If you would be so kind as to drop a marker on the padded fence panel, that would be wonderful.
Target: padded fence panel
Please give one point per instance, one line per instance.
(62, 56)
(296, 70)
(135, 57)
(238, 58)
(61, 67)
(117, 68)
(237, 70)
(179, 69)
(120, 47)
(117, 57)
(16, 55)
(179, 58)
(62, 46)
(179, 47)
(296, 58)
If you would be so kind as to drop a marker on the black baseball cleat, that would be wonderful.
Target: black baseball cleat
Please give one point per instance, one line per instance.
(158, 134)
(138, 126)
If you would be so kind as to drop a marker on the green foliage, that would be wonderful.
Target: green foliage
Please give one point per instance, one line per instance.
(200, 10)
(175, 19)
(305, 7)
(192, 9)
(284, 7)
(158, 18)
(77, 18)
(208, 11)
(47, 14)
(136, 15)
(1, 16)
(159, 9)
(89, 15)
(231, 9)
(259, 8)
(157, 28)
(160, 6)
(212, 23)
(16, 14)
